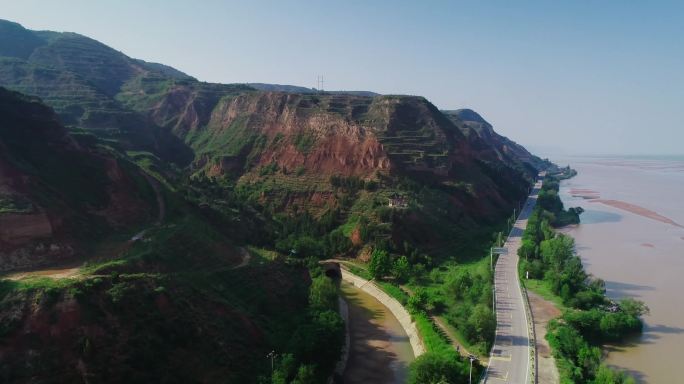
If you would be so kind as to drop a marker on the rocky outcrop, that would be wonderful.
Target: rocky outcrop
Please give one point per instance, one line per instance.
(18, 229)
(35, 253)
(318, 134)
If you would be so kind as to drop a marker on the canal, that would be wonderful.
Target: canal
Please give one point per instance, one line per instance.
(379, 351)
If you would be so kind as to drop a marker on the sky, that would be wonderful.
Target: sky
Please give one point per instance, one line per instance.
(573, 77)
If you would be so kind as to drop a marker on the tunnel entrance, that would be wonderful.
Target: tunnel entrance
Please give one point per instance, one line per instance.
(331, 269)
(333, 273)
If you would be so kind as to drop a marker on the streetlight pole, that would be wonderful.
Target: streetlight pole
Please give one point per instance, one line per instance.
(491, 258)
(472, 358)
(272, 355)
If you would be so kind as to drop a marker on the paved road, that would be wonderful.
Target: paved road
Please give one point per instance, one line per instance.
(510, 356)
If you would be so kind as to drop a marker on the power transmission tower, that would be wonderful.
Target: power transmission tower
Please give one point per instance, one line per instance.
(319, 83)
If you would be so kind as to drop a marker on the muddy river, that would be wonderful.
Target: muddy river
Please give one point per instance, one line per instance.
(380, 351)
(631, 236)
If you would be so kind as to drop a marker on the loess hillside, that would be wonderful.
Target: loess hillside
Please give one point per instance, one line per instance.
(198, 212)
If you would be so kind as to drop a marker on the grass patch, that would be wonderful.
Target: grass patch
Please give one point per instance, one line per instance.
(350, 225)
(542, 288)
(261, 255)
(472, 348)
(434, 340)
(358, 270)
(393, 291)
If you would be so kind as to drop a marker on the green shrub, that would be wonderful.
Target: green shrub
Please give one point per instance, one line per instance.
(433, 368)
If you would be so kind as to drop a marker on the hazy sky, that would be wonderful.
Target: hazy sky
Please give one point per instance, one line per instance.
(584, 76)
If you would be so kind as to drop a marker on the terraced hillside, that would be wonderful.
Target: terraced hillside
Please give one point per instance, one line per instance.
(79, 77)
(285, 152)
(292, 176)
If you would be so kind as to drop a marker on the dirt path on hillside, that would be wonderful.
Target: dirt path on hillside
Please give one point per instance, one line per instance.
(62, 272)
(543, 311)
(72, 268)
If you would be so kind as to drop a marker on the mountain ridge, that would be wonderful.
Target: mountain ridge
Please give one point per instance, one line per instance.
(255, 187)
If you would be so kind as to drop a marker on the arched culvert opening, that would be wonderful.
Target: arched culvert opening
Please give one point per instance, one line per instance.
(333, 273)
(331, 269)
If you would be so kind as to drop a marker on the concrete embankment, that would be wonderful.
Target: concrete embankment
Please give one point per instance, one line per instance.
(342, 364)
(393, 305)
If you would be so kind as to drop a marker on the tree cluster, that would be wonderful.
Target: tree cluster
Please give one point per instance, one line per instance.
(316, 345)
(592, 318)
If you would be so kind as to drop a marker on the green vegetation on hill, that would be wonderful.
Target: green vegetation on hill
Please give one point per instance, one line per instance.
(303, 177)
(173, 307)
(79, 78)
(63, 175)
(590, 318)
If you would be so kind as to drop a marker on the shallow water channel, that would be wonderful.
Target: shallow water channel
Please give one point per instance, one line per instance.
(380, 351)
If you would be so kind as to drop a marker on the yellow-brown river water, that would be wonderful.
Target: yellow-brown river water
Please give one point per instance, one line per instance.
(380, 351)
(630, 236)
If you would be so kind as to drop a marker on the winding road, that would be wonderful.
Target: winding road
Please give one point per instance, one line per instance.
(510, 356)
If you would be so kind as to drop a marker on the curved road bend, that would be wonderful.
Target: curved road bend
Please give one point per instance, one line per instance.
(510, 356)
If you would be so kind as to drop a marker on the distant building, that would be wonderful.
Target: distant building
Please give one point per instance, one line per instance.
(398, 202)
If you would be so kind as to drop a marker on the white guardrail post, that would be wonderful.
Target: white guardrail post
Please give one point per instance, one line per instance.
(532, 335)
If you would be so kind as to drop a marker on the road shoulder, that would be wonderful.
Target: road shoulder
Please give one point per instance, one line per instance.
(543, 311)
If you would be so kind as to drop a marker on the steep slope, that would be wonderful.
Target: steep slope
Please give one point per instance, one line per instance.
(141, 328)
(284, 152)
(176, 305)
(304, 175)
(481, 134)
(57, 192)
(177, 105)
(313, 152)
(79, 77)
